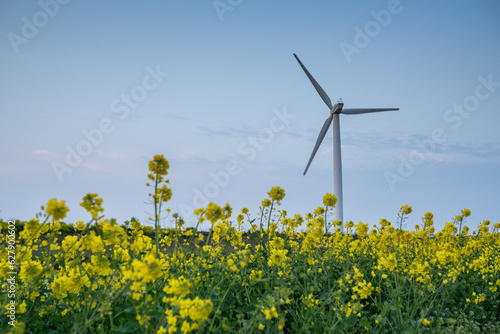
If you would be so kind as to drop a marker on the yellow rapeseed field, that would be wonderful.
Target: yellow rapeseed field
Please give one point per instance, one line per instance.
(286, 274)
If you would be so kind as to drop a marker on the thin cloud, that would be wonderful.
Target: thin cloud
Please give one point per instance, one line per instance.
(119, 155)
(179, 117)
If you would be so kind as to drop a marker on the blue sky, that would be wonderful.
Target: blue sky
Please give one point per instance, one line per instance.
(215, 88)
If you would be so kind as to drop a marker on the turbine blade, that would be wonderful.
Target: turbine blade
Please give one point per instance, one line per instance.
(316, 85)
(354, 111)
(321, 135)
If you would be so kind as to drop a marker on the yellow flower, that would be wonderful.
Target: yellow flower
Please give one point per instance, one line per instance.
(309, 300)
(362, 230)
(428, 216)
(384, 223)
(232, 266)
(159, 165)
(178, 287)
(389, 262)
(364, 289)
(425, 322)
(198, 310)
(480, 298)
(91, 242)
(143, 271)
(270, 313)
(348, 313)
(256, 275)
(465, 230)
(329, 200)
(214, 212)
(406, 209)
(319, 210)
(281, 324)
(93, 204)
(101, 264)
(140, 319)
(266, 203)
(261, 327)
(276, 194)
(278, 257)
(80, 225)
(186, 327)
(164, 193)
(30, 269)
(57, 210)
(466, 212)
(22, 307)
(56, 226)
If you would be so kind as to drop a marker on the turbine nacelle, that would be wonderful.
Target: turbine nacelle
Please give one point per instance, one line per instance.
(337, 108)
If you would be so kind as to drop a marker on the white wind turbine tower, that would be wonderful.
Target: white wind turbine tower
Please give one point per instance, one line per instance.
(335, 112)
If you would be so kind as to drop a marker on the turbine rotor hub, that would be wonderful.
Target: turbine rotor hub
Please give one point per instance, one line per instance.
(337, 108)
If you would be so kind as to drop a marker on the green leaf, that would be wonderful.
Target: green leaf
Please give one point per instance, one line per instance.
(128, 327)
(351, 322)
(127, 310)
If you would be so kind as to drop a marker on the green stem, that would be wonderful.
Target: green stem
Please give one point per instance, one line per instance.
(326, 226)
(269, 220)
(209, 235)
(218, 308)
(155, 200)
(261, 216)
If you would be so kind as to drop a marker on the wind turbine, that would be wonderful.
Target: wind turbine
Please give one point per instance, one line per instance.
(335, 111)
